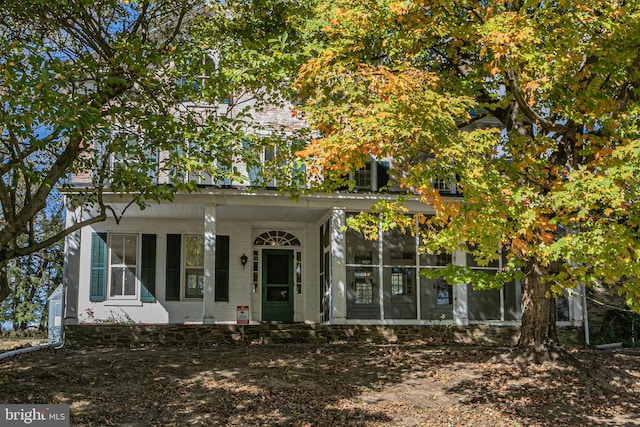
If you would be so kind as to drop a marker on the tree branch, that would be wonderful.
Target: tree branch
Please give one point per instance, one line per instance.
(533, 116)
(18, 252)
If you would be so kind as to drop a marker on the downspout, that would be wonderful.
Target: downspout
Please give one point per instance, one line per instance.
(19, 351)
(54, 345)
(585, 317)
(65, 276)
(58, 345)
(63, 305)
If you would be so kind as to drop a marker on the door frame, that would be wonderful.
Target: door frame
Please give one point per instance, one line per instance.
(290, 277)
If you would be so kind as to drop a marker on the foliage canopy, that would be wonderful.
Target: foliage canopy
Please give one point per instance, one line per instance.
(554, 189)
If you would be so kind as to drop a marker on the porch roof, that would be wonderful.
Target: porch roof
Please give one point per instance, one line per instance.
(238, 205)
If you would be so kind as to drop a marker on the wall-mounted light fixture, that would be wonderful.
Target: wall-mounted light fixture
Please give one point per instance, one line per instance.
(243, 260)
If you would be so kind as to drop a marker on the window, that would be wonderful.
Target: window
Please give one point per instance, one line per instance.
(130, 154)
(401, 281)
(562, 307)
(273, 162)
(399, 247)
(491, 304)
(360, 250)
(276, 238)
(119, 271)
(372, 176)
(123, 143)
(437, 294)
(397, 283)
(364, 258)
(194, 266)
(200, 178)
(476, 263)
(438, 258)
(444, 292)
(364, 287)
(442, 185)
(185, 270)
(325, 269)
(298, 272)
(363, 178)
(123, 262)
(209, 165)
(196, 71)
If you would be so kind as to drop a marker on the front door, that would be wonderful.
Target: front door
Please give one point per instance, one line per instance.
(277, 285)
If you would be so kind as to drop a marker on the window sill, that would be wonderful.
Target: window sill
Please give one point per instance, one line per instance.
(123, 302)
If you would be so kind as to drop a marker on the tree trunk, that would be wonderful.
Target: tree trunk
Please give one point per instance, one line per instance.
(5, 289)
(538, 335)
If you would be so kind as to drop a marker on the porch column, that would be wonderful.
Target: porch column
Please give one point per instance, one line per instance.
(208, 296)
(338, 268)
(460, 294)
(577, 305)
(71, 269)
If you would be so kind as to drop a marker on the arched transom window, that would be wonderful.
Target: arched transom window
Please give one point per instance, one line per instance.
(276, 238)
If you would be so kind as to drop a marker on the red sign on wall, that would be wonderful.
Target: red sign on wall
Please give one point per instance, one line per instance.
(242, 314)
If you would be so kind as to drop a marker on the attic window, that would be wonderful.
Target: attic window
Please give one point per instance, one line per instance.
(276, 238)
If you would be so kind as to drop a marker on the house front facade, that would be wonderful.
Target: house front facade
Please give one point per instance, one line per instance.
(199, 258)
(231, 251)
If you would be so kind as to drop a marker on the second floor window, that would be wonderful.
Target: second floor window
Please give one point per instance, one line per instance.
(373, 176)
(363, 178)
(129, 154)
(443, 185)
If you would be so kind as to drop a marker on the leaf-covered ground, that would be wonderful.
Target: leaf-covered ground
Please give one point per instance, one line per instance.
(12, 343)
(327, 385)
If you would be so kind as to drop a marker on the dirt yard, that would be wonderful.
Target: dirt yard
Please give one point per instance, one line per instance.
(327, 385)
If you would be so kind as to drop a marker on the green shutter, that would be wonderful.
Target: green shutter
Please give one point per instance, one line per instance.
(98, 280)
(383, 175)
(222, 268)
(148, 268)
(174, 242)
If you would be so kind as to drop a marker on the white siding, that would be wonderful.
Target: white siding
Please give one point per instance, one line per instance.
(241, 235)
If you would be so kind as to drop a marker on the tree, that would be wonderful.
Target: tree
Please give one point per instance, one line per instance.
(32, 278)
(255, 46)
(86, 87)
(555, 191)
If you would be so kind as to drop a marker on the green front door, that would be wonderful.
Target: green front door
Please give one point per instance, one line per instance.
(277, 285)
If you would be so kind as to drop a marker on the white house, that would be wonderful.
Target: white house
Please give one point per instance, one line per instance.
(198, 258)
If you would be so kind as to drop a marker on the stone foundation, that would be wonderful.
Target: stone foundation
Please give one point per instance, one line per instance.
(86, 336)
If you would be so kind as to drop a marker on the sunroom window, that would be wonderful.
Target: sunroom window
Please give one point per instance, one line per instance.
(444, 292)
(401, 281)
(364, 286)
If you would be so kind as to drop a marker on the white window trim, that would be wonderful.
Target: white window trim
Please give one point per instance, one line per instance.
(373, 178)
(123, 298)
(183, 268)
(133, 138)
(444, 185)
